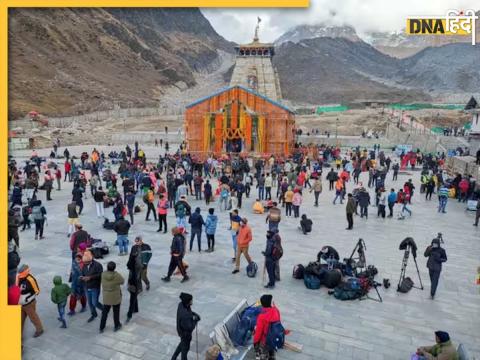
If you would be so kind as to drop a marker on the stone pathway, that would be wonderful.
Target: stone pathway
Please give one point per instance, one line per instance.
(328, 328)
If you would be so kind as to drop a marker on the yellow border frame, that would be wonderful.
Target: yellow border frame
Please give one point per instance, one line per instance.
(10, 333)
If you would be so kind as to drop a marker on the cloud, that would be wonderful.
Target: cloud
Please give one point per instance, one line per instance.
(364, 15)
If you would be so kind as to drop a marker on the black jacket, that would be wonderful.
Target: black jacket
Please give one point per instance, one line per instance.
(196, 220)
(98, 196)
(436, 256)
(121, 227)
(269, 249)
(178, 245)
(94, 269)
(186, 321)
(363, 198)
(72, 211)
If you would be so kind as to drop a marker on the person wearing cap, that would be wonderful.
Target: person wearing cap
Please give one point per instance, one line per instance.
(177, 252)
(436, 256)
(112, 295)
(442, 350)
(267, 316)
(145, 255)
(243, 241)
(28, 298)
(186, 322)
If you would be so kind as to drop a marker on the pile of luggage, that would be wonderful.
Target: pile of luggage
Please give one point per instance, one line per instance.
(347, 283)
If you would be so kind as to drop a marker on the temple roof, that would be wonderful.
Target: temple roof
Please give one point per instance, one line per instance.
(472, 104)
(255, 44)
(243, 88)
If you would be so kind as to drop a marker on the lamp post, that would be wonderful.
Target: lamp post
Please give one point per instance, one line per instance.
(336, 131)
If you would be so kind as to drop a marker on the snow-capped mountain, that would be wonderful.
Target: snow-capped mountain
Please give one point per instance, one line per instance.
(303, 32)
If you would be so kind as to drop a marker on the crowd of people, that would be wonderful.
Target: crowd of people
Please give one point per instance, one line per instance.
(127, 184)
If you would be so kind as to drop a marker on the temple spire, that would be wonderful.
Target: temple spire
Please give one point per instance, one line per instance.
(255, 37)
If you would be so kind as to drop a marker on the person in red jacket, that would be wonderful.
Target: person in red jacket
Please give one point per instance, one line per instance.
(269, 315)
(68, 169)
(463, 186)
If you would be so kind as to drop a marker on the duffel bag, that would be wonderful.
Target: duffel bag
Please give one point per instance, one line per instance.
(331, 278)
(311, 281)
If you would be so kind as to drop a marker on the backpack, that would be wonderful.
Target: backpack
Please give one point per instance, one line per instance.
(312, 282)
(252, 269)
(244, 330)
(406, 285)
(277, 250)
(275, 336)
(180, 210)
(298, 271)
(37, 213)
(349, 290)
(224, 194)
(331, 278)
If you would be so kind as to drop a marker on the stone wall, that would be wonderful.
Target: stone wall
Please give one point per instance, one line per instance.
(464, 165)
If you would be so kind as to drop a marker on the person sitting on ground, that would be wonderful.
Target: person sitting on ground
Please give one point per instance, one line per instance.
(305, 224)
(327, 253)
(258, 207)
(442, 350)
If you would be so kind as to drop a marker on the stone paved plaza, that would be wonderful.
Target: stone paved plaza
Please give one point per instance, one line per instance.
(327, 328)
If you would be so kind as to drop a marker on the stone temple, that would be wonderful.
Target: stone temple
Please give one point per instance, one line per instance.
(254, 68)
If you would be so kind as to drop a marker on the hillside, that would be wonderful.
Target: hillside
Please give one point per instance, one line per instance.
(326, 70)
(67, 61)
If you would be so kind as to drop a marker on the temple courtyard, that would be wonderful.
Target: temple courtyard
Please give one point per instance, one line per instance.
(327, 328)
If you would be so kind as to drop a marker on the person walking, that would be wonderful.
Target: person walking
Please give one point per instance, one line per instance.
(288, 198)
(148, 198)
(78, 289)
(182, 210)
(130, 201)
(145, 256)
(39, 215)
(350, 210)
(235, 220)
(162, 210)
(381, 203)
(436, 256)
(296, 202)
(112, 295)
(122, 227)
(177, 252)
(92, 278)
(442, 198)
(339, 188)
(363, 201)
(29, 291)
(72, 217)
(77, 196)
(332, 176)
(186, 322)
(59, 296)
(268, 186)
(99, 198)
(211, 228)
(243, 241)
(196, 221)
(58, 177)
(274, 217)
(317, 189)
(392, 199)
(207, 192)
(135, 267)
(477, 214)
(48, 184)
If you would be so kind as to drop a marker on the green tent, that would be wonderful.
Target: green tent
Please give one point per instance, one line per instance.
(337, 108)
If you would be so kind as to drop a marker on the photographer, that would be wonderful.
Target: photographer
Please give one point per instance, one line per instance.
(186, 322)
(436, 256)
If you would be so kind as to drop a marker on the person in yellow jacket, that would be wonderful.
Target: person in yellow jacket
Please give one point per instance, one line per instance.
(288, 198)
(258, 207)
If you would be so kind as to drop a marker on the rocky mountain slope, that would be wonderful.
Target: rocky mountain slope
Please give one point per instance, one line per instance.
(327, 70)
(67, 61)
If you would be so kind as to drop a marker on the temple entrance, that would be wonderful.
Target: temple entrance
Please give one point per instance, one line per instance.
(234, 145)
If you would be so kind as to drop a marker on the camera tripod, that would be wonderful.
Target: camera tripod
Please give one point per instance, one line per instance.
(360, 262)
(406, 254)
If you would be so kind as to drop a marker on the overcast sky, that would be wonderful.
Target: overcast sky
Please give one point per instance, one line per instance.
(365, 15)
